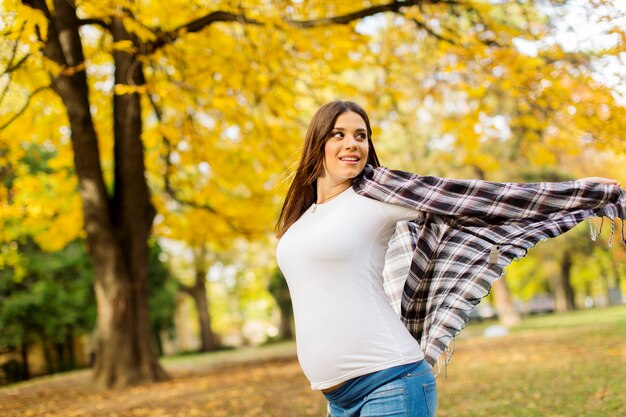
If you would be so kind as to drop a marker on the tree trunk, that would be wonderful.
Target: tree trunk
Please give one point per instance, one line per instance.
(118, 228)
(47, 355)
(614, 291)
(159, 343)
(208, 338)
(284, 330)
(563, 290)
(25, 369)
(279, 289)
(507, 313)
(71, 353)
(59, 349)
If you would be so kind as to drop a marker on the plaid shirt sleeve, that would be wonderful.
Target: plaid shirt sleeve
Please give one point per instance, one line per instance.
(486, 203)
(449, 270)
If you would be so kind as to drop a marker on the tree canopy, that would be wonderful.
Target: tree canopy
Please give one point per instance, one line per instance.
(227, 95)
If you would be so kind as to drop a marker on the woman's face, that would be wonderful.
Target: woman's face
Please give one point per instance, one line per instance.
(346, 150)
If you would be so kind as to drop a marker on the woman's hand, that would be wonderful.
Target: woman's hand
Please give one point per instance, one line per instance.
(600, 180)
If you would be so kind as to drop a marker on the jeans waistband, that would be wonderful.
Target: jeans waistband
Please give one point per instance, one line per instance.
(357, 388)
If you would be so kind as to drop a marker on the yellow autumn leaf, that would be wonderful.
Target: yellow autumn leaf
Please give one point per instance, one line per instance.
(121, 89)
(31, 21)
(144, 34)
(124, 46)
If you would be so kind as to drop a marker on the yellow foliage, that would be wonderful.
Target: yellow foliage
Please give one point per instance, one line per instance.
(121, 89)
(27, 22)
(234, 100)
(541, 155)
(124, 46)
(67, 226)
(144, 34)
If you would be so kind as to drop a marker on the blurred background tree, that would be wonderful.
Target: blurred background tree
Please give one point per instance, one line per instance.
(47, 300)
(50, 304)
(280, 291)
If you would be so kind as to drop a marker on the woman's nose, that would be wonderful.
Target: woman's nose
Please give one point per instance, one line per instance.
(350, 142)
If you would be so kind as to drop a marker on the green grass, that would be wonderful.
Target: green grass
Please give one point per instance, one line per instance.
(229, 357)
(612, 315)
(567, 365)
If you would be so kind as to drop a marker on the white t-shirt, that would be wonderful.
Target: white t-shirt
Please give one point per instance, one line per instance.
(333, 258)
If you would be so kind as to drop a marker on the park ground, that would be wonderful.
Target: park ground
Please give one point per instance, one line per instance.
(569, 365)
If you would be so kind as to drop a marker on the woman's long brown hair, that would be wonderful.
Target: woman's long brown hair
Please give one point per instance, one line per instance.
(302, 191)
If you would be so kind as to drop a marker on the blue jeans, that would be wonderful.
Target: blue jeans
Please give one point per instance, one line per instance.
(413, 394)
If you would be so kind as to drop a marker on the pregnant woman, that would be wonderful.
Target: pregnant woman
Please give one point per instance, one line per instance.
(383, 266)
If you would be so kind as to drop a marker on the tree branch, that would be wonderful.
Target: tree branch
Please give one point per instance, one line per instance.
(24, 107)
(197, 25)
(10, 66)
(394, 6)
(487, 42)
(13, 66)
(96, 22)
(220, 16)
(431, 32)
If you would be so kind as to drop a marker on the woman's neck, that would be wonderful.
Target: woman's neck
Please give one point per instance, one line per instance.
(327, 191)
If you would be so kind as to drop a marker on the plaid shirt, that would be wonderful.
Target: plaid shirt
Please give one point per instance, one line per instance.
(439, 266)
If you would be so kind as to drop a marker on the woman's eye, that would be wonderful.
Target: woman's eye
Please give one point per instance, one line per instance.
(340, 135)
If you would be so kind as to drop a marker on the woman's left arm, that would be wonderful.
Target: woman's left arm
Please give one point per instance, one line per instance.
(484, 202)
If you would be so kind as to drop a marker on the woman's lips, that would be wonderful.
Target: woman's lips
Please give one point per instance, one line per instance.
(350, 159)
